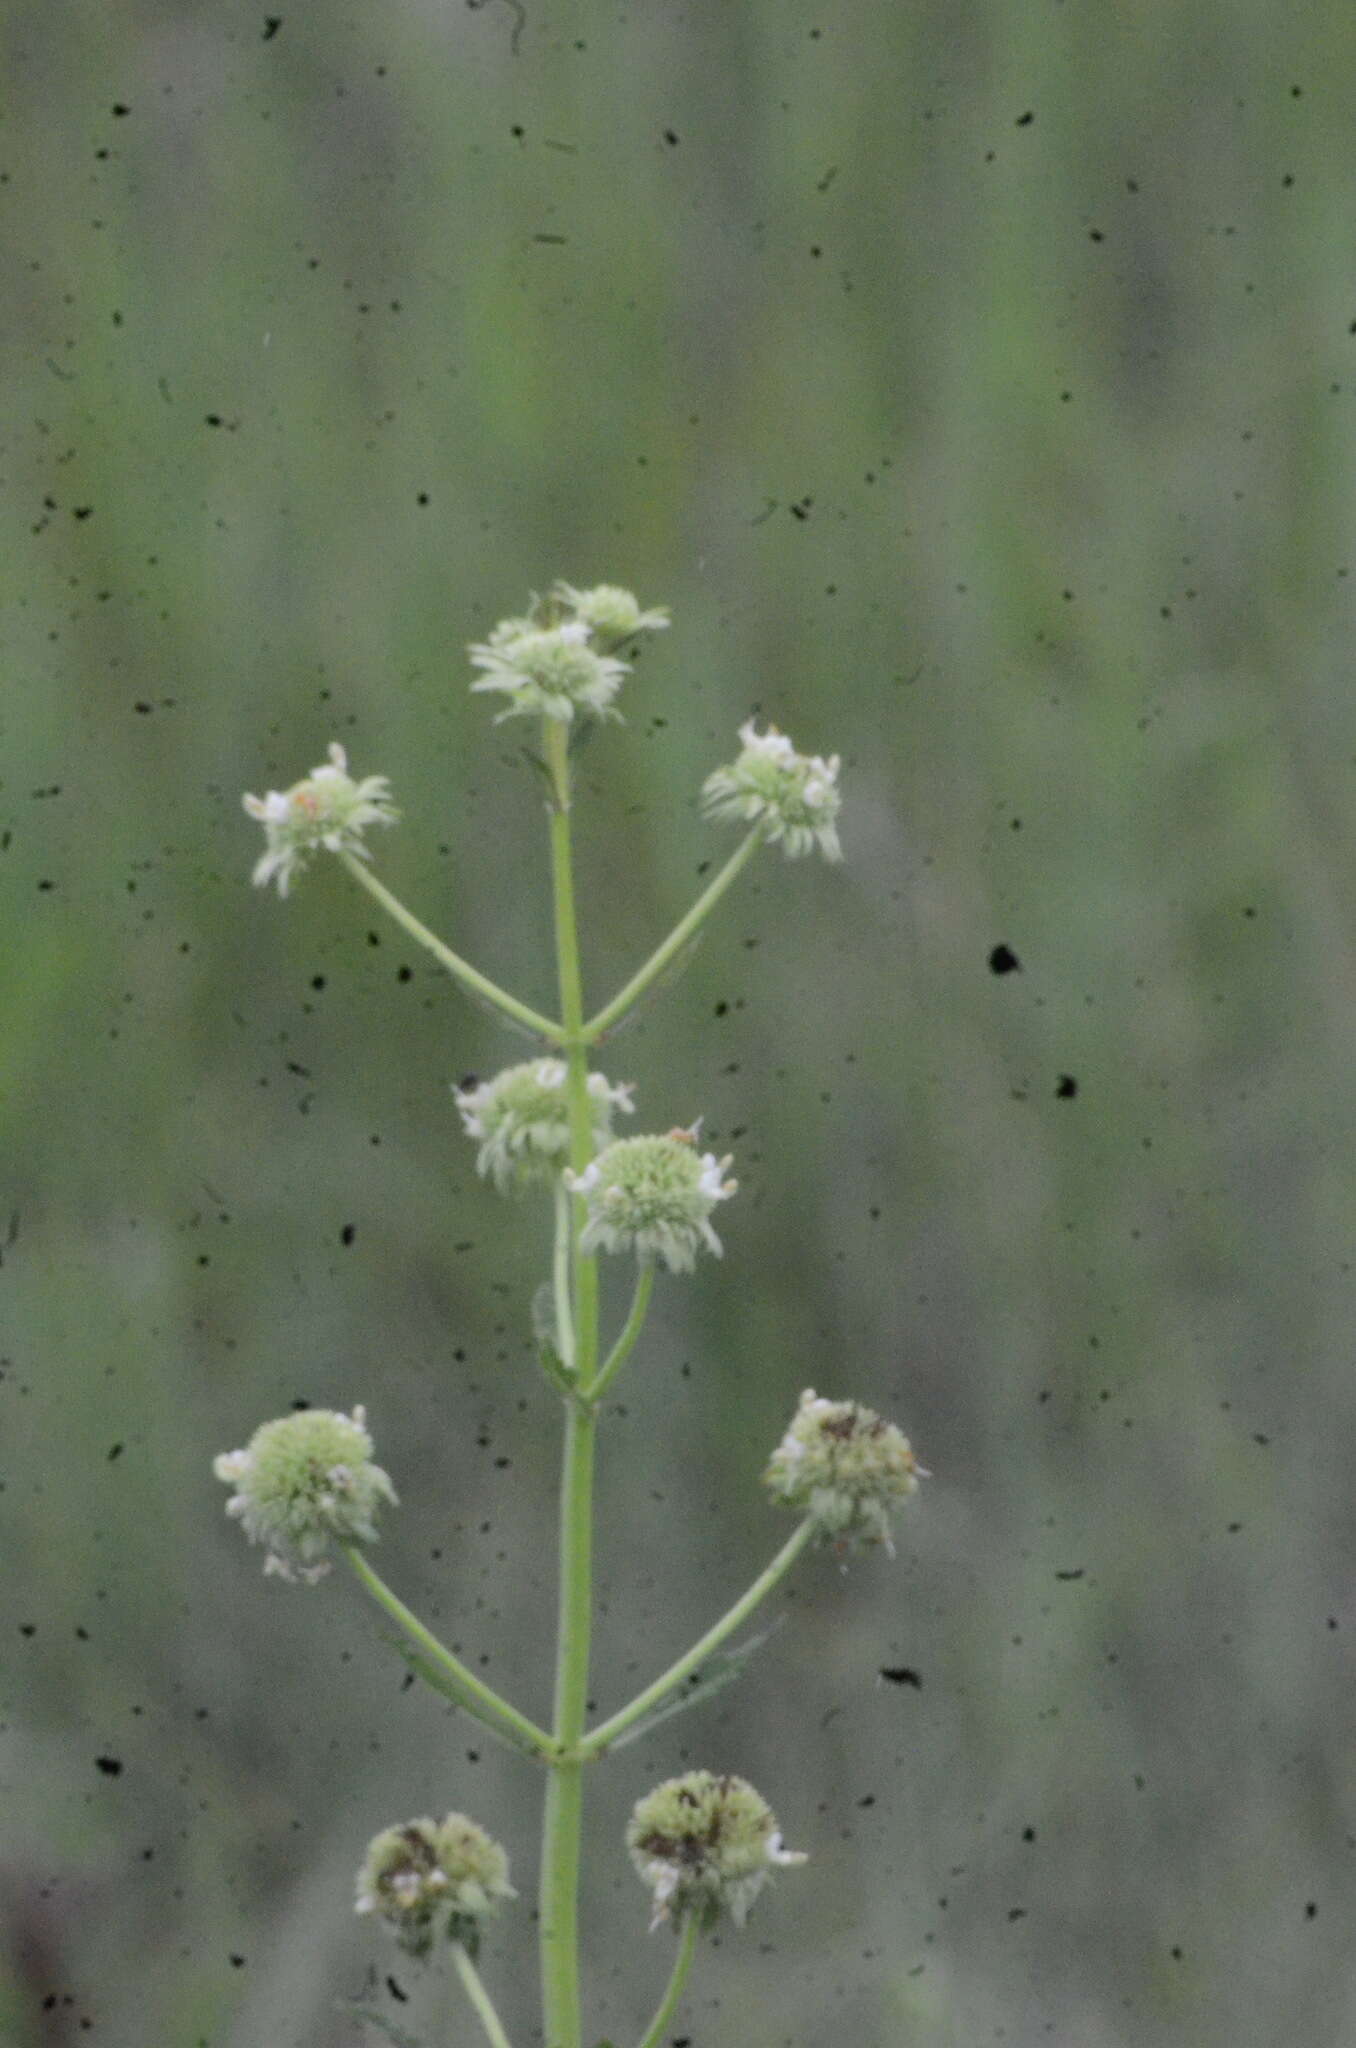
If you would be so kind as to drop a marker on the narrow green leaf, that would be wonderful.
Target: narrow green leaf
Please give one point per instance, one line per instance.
(373, 2017)
(544, 1337)
(719, 1670)
(444, 1683)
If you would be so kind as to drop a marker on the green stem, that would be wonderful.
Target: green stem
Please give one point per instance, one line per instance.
(477, 1697)
(560, 1278)
(682, 1963)
(603, 1736)
(676, 939)
(625, 1344)
(480, 1998)
(562, 1822)
(462, 970)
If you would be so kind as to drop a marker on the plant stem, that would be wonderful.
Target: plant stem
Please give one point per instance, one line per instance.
(477, 1697)
(601, 1737)
(676, 939)
(625, 1344)
(462, 970)
(560, 1278)
(479, 1997)
(559, 1894)
(682, 1963)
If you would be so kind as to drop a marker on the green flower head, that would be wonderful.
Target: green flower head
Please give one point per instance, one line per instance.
(795, 796)
(429, 1877)
(845, 1466)
(326, 809)
(521, 1120)
(705, 1846)
(653, 1196)
(302, 1481)
(609, 612)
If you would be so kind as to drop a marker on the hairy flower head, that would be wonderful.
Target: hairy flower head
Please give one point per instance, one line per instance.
(430, 1876)
(653, 1196)
(844, 1465)
(521, 1120)
(705, 1845)
(609, 612)
(301, 1481)
(327, 808)
(795, 796)
(549, 671)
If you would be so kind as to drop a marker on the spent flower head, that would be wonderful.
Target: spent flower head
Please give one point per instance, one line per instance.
(327, 808)
(301, 1481)
(653, 1196)
(430, 1876)
(705, 1845)
(521, 1119)
(795, 796)
(610, 612)
(844, 1465)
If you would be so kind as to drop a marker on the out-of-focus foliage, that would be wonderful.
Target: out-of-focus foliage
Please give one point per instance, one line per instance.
(976, 384)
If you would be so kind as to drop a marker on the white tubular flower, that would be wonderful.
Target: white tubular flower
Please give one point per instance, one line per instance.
(794, 795)
(326, 809)
(611, 613)
(653, 1196)
(844, 1465)
(429, 1875)
(705, 1846)
(521, 1120)
(301, 1481)
(551, 671)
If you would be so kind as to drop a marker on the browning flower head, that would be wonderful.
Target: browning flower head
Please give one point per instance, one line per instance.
(327, 808)
(705, 1845)
(521, 1120)
(795, 796)
(845, 1466)
(301, 1481)
(653, 1196)
(429, 1877)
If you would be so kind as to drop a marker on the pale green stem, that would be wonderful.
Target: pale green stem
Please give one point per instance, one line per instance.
(600, 1738)
(560, 1278)
(480, 1998)
(625, 1344)
(562, 1822)
(462, 970)
(479, 1699)
(668, 2004)
(676, 940)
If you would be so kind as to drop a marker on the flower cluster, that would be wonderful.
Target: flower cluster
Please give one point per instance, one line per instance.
(521, 1120)
(327, 808)
(794, 796)
(705, 1845)
(549, 664)
(427, 1872)
(844, 1465)
(653, 1196)
(302, 1480)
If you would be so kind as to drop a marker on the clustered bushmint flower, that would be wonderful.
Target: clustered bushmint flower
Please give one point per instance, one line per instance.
(301, 1481)
(844, 1465)
(521, 1119)
(795, 796)
(428, 1875)
(653, 1196)
(705, 1845)
(550, 664)
(327, 808)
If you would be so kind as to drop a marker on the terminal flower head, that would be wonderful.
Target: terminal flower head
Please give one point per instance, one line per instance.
(521, 1119)
(845, 1466)
(795, 796)
(327, 808)
(609, 612)
(705, 1845)
(430, 1876)
(653, 1196)
(301, 1481)
(549, 671)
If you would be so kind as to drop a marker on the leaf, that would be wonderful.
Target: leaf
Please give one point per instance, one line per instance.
(374, 2017)
(544, 1337)
(443, 1682)
(719, 1670)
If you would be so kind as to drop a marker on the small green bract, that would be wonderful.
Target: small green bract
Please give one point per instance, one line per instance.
(427, 1876)
(705, 1846)
(844, 1465)
(301, 1481)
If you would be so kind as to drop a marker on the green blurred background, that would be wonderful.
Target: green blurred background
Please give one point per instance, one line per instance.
(975, 383)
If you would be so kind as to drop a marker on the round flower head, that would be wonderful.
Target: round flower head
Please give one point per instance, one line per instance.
(522, 1120)
(609, 612)
(552, 670)
(430, 1876)
(327, 808)
(705, 1845)
(844, 1465)
(653, 1196)
(302, 1480)
(794, 795)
